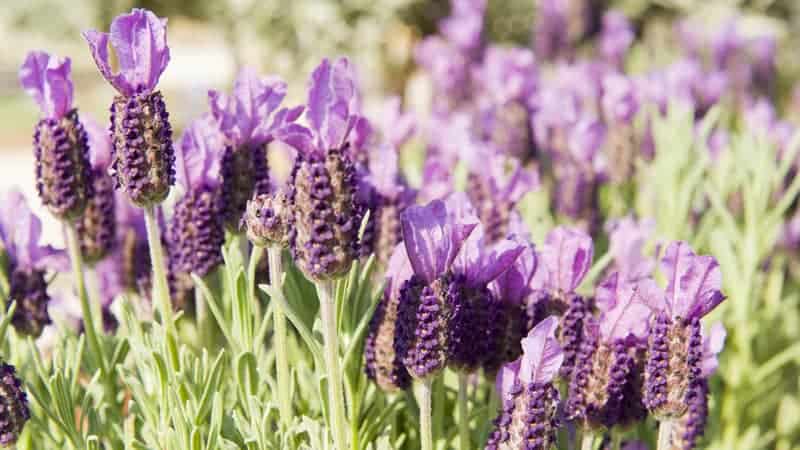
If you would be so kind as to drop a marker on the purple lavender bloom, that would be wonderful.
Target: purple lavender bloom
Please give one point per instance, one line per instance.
(620, 101)
(134, 253)
(560, 26)
(495, 190)
(196, 231)
(564, 260)
(327, 213)
(389, 195)
(97, 227)
(690, 427)
(449, 70)
(384, 344)
(575, 192)
(447, 299)
(508, 79)
(28, 260)
(606, 358)
(529, 415)
(142, 158)
(244, 120)
(395, 125)
(616, 38)
(13, 404)
(63, 175)
(674, 356)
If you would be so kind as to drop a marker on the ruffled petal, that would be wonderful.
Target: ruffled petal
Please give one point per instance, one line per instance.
(630, 311)
(693, 282)
(99, 143)
(48, 80)
(201, 153)
(542, 355)
(567, 256)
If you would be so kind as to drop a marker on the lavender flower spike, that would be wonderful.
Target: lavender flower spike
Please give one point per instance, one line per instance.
(528, 418)
(97, 227)
(326, 213)
(248, 119)
(196, 232)
(13, 404)
(384, 343)
(63, 176)
(675, 348)
(20, 232)
(143, 157)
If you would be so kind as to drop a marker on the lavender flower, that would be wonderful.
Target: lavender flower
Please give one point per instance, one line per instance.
(143, 158)
(449, 70)
(606, 358)
(528, 418)
(394, 125)
(446, 301)
(196, 233)
(384, 343)
(674, 354)
(266, 219)
(494, 191)
(691, 426)
(561, 24)
(508, 321)
(388, 196)
(63, 175)
(564, 260)
(627, 238)
(13, 406)
(464, 26)
(28, 260)
(244, 119)
(134, 253)
(326, 214)
(97, 226)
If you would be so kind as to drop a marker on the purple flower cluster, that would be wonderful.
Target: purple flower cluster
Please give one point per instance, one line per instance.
(14, 411)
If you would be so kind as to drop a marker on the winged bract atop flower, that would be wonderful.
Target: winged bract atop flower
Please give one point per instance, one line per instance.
(693, 282)
(566, 257)
(139, 42)
(48, 80)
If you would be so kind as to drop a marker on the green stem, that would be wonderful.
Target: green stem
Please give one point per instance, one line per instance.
(95, 295)
(327, 307)
(664, 434)
(160, 288)
(252, 266)
(279, 322)
(425, 431)
(463, 413)
(616, 440)
(588, 441)
(90, 328)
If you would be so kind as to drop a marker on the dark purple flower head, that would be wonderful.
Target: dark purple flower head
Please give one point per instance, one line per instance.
(139, 41)
(48, 80)
(528, 416)
(326, 210)
(63, 175)
(616, 38)
(386, 343)
(693, 283)
(134, 254)
(97, 226)
(627, 239)
(13, 406)
(508, 74)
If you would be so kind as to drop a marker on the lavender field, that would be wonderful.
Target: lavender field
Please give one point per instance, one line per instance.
(400, 224)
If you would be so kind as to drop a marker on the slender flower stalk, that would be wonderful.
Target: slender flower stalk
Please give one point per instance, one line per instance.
(279, 320)
(425, 429)
(256, 254)
(588, 441)
(327, 306)
(463, 412)
(161, 295)
(665, 434)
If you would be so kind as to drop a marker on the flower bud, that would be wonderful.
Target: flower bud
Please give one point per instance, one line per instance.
(196, 234)
(63, 174)
(13, 406)
(267, 220)
(143, 159)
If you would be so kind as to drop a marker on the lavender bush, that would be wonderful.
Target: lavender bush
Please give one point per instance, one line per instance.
(542, 259)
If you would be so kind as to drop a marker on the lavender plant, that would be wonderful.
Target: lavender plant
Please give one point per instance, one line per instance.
(402, 316)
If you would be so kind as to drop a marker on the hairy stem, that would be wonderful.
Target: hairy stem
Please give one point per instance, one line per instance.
(252, 266)
(425, 429)
(279, 321)
(588, 441)
(327, 307)
(463, 414)
(160, 288)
